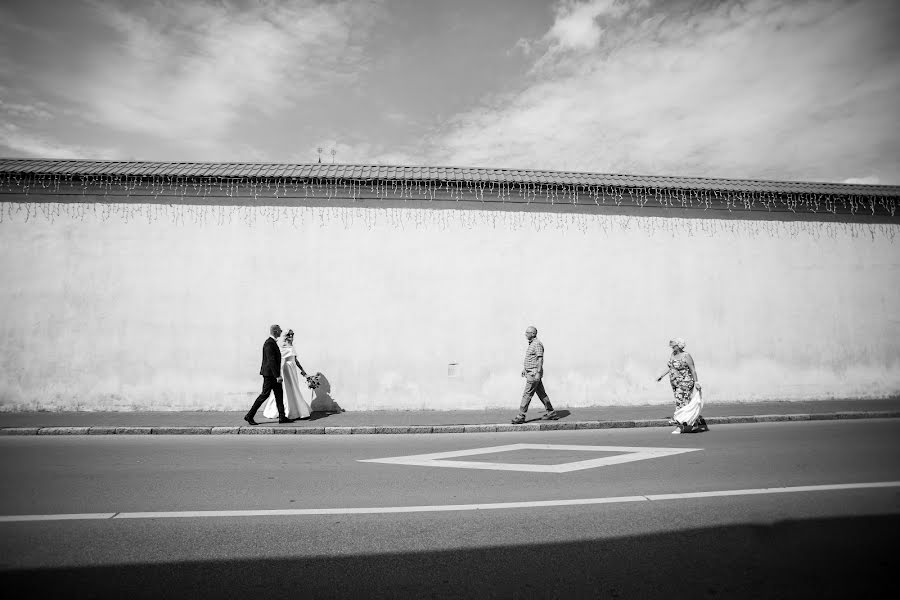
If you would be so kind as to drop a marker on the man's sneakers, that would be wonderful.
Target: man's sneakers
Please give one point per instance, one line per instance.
(550, 415)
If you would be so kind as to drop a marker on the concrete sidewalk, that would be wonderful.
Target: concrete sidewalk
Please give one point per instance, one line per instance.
(425, 421)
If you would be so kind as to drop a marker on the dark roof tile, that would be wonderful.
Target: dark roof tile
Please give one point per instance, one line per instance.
(87, 168)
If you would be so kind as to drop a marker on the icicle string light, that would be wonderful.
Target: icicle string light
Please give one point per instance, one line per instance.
(177, 196)
(435, 219)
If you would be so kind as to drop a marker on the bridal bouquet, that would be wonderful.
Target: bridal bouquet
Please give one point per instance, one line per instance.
(312, 381)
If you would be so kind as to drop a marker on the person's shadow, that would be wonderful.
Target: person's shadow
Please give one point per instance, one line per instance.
(321, 403)
(562, 413)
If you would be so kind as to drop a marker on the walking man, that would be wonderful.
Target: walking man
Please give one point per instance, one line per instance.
(533, 372)
(271, 374)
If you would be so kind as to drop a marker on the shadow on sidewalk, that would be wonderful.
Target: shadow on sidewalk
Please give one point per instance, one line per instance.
(848, 557)
(321, 414)
(321, 403)
(563, 413)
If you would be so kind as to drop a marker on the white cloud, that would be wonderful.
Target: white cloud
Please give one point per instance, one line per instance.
(13, 110)
(870, 180)
(801, 90)
(524, 45)
(24, 132)
(398, 117)
(577, 24)
(20, 142)
(190, 72)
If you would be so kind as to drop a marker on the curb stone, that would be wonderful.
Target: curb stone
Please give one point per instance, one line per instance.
(769, 418)
(448, 429)
(310, 430)
(727, 420)
(257, 430)
(849, 415)
(420, 429)
(479, 428)
(401, 429)
(341, 430)
(225, 430)
(822, 417)
(391, 429)
(181, 430)
(284, 430)
(64, 430)
(134, 430)
(860, 415)
(653, 423)
(558, 426)
(19, 431)
(522, 427)
(102, 431)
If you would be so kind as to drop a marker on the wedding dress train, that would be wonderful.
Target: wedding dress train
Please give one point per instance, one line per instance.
(295, 405)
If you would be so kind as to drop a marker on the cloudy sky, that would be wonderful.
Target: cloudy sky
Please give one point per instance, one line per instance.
(799, 90)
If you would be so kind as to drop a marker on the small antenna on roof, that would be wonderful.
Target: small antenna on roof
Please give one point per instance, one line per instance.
(319, 150)
(333, 152)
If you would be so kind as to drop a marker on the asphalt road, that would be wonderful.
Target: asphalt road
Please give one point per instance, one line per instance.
(791, 544)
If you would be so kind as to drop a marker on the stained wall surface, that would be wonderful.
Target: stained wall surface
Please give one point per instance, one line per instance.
(117, 316)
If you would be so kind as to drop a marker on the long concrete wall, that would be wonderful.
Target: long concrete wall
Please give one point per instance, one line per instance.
(115, 316)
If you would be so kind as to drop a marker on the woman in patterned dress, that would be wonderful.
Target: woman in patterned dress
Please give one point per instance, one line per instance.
(683, 378)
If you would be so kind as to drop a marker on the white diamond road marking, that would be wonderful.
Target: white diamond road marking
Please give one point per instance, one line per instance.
(439, 459)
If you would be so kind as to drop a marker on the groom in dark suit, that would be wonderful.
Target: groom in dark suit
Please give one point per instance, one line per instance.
(271, 374)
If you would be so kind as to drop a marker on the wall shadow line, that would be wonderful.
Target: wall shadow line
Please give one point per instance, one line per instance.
(847, 557)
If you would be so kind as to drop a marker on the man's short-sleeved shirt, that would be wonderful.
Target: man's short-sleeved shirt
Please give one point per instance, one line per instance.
(535, 349)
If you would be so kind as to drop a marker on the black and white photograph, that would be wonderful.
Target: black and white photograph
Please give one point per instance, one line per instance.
(449, 298)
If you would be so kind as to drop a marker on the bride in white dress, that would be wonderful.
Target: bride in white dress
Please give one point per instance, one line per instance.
(293, 376)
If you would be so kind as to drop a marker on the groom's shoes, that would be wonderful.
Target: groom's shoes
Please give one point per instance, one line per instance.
(250, 420)
(285, 420)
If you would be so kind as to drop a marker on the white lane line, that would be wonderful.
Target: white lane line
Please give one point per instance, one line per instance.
(380, 509)
(68, 517)
(781, 490)
(445, 507)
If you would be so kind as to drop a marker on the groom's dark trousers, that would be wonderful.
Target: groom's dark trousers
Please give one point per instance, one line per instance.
(270, 371)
